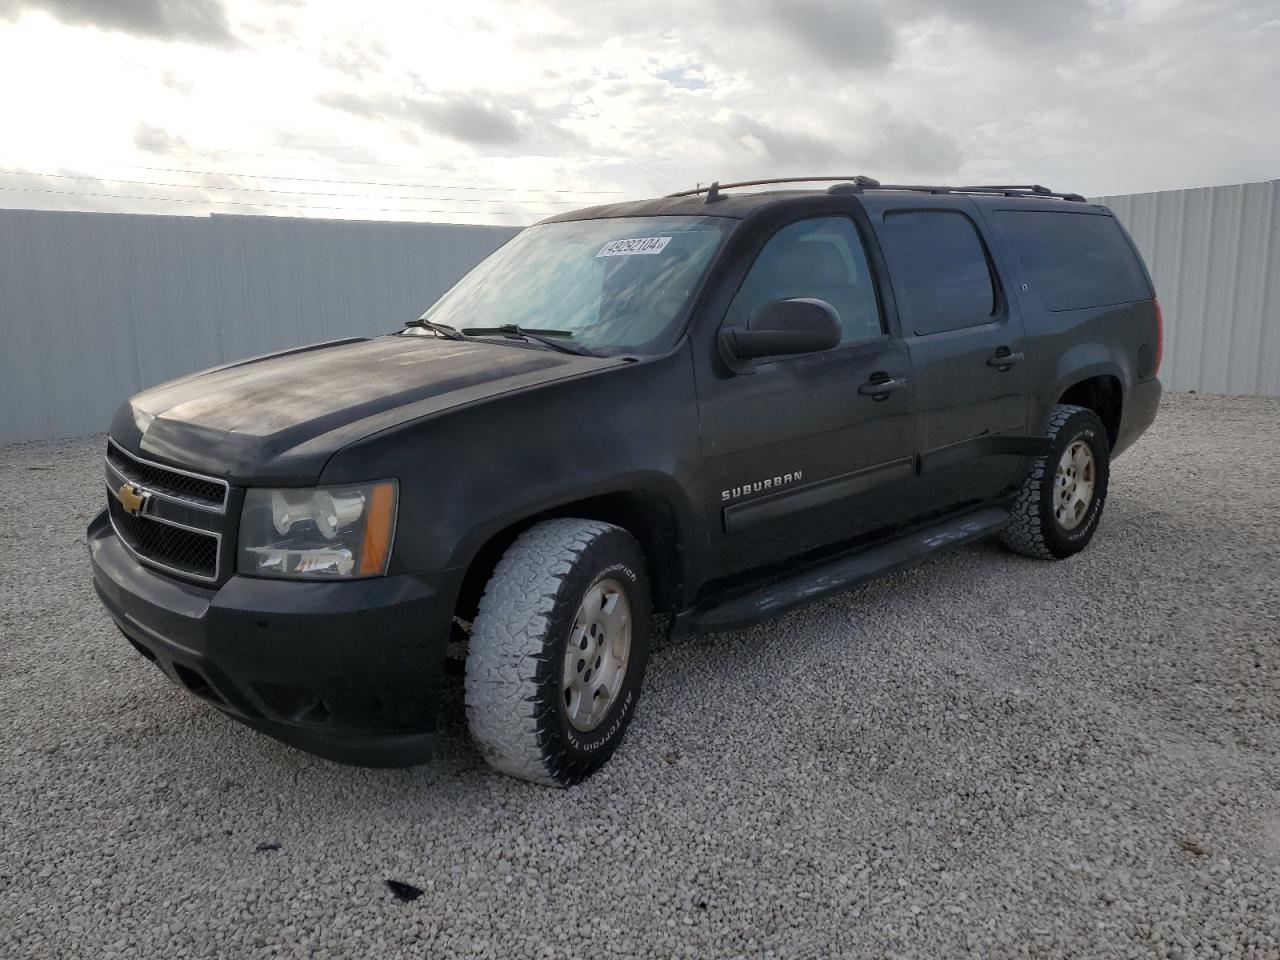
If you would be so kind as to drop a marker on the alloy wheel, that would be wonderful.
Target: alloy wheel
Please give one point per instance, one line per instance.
(595, 657)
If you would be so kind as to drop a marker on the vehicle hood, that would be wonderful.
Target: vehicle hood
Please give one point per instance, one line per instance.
(280, 417)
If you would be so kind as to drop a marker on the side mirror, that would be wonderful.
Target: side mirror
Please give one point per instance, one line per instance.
(777, 328)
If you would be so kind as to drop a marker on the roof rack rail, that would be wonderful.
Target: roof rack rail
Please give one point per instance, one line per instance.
(859, 183)
(1007, 190)
(713, 191)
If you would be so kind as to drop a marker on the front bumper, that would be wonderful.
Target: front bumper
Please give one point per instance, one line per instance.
(346, 670)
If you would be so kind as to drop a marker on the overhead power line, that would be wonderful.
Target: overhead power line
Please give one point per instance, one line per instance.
(295, 193)
(376, 183)
(275, 155)
(249, 203)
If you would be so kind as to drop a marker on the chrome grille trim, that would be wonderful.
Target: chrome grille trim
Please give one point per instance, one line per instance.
(196, 503)
(160, 565)
(160, 494)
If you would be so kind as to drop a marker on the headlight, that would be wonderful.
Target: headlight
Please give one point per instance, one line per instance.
(319, 533)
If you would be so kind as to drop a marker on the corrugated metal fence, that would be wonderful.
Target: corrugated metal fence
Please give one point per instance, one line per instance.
(96, 306)
(1215, 259)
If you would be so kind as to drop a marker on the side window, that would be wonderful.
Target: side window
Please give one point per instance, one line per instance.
(823, 258)
(1074, 260)
(941, 277)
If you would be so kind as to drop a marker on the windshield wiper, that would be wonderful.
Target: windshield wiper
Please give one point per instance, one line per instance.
(443, 329)
(532, 333)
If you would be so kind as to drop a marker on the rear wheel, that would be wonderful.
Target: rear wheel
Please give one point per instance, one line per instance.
(1061, 500)
(558, 651)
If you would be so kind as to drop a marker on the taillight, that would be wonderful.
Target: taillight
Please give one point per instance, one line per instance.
(1159, 337)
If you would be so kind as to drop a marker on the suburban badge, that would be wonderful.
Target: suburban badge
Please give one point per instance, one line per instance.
(759, 486)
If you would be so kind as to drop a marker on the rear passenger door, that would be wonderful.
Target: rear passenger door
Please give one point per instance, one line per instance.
(967, 347)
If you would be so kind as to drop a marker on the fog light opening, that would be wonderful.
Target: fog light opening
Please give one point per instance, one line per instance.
(196, 683)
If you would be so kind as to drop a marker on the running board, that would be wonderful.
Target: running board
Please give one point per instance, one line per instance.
(846, 571)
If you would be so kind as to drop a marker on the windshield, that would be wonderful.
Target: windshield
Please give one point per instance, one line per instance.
(619, 284)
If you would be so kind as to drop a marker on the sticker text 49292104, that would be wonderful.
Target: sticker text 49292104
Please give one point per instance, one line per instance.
(637, 245)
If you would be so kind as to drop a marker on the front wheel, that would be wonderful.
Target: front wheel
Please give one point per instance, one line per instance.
(558, 651)
(1060, 503)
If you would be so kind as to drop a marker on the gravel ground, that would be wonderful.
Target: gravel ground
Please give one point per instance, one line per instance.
(985, 755)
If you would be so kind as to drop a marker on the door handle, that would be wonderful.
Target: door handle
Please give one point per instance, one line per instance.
(881, 385)
(1003, 359)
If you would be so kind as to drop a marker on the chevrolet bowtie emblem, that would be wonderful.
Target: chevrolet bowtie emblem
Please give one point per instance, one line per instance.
(133, 499)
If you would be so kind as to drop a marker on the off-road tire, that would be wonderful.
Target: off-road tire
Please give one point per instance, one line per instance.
(515, 695)
(1033, 529)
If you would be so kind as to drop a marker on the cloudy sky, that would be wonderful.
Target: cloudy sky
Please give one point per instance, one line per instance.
(504, 112)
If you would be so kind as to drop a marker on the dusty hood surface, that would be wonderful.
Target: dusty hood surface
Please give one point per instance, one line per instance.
(282, 416)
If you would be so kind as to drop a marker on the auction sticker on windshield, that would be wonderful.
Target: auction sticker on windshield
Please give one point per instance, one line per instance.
(625, 248)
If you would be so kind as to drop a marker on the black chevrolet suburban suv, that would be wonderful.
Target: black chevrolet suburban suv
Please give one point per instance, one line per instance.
(693, 411)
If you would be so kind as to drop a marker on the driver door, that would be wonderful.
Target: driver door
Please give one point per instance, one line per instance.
(805, 452)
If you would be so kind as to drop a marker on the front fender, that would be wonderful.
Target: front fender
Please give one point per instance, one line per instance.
(642, 488)
(471, 472)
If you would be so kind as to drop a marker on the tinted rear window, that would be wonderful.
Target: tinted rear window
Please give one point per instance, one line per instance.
(1074, 260)
(939, 268)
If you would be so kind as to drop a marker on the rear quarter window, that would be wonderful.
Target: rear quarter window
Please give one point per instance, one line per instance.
(1073, 260)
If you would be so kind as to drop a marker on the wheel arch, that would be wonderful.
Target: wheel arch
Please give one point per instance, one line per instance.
(1102, 393)
(1089, 375)
(646, 514)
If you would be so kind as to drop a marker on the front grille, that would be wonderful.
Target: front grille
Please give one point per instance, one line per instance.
(167, 481)
(179, 549)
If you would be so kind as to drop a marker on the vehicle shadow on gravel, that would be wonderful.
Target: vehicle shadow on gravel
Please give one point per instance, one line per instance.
(883, 621)
(867, 620)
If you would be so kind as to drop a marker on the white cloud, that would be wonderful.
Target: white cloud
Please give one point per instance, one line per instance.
(199, 21)
(388, 110)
